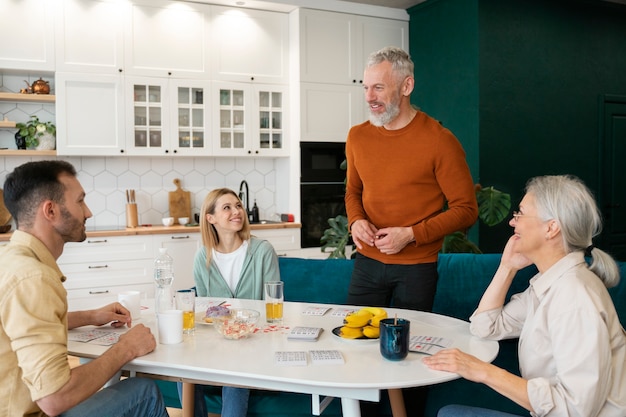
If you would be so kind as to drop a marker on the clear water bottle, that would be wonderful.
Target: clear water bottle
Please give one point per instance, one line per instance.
(163, 278)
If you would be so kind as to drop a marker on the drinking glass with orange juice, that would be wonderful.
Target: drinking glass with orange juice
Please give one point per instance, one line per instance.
(186, 301)
(274, 298)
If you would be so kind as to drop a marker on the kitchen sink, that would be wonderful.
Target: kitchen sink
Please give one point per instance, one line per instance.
(266, 222)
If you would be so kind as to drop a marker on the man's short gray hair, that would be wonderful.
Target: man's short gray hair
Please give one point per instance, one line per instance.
(400, 60)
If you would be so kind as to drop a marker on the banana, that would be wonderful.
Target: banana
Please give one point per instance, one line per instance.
(376, 311)
(351, 332)
(371, 332)
(357, 319)
(375, 321)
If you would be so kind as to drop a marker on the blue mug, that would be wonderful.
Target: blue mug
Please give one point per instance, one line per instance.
(394, 338)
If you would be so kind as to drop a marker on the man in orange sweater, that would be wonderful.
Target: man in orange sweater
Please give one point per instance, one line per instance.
(403, 167)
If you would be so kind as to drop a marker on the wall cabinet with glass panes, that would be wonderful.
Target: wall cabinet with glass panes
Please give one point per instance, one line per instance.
(169, 117)
(250, 120)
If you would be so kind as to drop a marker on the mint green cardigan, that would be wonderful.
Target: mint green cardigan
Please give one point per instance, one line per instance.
(259, 266)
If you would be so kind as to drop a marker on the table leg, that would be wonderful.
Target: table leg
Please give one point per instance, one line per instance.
(397, 402)
(350, 407)
(188, 405)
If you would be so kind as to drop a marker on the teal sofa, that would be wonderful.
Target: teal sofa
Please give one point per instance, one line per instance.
(462, 281)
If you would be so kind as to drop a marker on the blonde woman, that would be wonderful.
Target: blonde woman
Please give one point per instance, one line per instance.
(231, 264)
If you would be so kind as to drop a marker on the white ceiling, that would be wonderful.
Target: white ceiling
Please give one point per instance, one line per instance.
(396, 4)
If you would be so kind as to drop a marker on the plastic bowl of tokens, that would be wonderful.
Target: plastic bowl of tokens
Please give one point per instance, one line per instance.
(238, 324)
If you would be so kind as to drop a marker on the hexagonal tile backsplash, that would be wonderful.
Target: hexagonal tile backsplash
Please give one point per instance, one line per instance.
(105, 180)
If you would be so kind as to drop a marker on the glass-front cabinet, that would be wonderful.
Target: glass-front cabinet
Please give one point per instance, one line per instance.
(250, 120)
(169, 117)
(147, 134)
(190, 117)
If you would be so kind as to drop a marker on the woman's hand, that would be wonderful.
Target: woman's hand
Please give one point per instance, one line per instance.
(513, 259)
(454, 360)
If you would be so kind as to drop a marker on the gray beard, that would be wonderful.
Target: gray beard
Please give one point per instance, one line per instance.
(392, 111)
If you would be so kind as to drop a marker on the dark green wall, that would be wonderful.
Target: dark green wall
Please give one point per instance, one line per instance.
(542, 66)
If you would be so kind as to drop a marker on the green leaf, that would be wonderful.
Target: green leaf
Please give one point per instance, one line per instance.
(493, 205)
(458, 242)
(337, 237)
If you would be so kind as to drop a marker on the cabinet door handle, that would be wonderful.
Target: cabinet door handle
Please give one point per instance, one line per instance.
(97, 266)
(97, 241)
(99, 292)
(180, 237)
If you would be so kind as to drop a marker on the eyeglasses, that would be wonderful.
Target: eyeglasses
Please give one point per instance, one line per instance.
(517, 215)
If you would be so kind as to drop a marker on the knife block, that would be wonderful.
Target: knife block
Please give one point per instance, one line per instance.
(131, 215)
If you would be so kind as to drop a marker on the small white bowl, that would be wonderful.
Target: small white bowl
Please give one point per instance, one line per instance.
(183, 220)
(167, 221)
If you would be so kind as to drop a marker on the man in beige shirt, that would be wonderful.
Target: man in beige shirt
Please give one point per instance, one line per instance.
(48, 204)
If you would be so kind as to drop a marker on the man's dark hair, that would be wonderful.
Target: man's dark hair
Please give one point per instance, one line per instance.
(31, 183)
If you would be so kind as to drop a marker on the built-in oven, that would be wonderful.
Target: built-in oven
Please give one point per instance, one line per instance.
(322, 188)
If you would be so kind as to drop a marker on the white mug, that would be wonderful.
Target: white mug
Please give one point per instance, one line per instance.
(170, 325)
(132, 301)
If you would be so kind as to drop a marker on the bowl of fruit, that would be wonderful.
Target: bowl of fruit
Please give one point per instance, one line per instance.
(238, 324)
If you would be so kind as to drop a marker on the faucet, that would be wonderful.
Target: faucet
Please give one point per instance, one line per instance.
(245, 195)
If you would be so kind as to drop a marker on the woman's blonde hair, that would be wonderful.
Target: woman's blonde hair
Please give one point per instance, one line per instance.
(210, 238)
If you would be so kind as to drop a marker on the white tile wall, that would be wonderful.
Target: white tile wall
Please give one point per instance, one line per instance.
(105, 179)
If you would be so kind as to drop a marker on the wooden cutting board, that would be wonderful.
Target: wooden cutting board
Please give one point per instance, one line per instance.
(5, 216)
(180, 203)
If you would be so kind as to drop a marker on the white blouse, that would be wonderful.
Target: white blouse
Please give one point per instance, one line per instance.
(572, 347)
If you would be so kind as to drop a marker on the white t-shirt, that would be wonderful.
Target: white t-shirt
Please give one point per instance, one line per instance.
(230, 264)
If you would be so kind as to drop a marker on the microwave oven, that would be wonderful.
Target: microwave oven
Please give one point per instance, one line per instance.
(321, 162)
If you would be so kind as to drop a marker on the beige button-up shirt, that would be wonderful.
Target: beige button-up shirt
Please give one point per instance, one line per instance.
(572, 347)
(33, 326)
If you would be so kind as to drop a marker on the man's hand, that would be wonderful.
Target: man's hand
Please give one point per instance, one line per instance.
(114, 313)
(139, 340)
(391, 240)
(363, 232)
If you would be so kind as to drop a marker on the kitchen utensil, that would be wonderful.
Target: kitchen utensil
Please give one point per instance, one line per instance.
(180, 202)
(41, 86)
(5, 216)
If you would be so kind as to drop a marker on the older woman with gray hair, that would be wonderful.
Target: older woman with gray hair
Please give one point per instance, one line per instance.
(572, 347)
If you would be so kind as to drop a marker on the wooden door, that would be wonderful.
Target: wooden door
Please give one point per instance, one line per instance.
(612, 198)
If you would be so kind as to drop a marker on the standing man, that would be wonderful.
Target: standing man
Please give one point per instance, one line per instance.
(403, 168)
(48, 204)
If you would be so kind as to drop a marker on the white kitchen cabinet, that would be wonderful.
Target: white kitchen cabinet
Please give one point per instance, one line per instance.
(90, 36)
(329, 111)
(190, 116)
(147, 121)
(284, 239)
(335, 46)
(99, 268)
(27, 33)
(167, 38)
(249, 45)
(333, 51)
(90, 114)
(167, 116)
(250, 119)
(182, 247)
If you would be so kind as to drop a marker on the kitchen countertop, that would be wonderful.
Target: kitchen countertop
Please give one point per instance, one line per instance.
(156, 230)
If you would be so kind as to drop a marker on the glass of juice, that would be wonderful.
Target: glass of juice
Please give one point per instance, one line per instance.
(186, 301)
(274, 298)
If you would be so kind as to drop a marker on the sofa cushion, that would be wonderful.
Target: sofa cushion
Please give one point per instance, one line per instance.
(316, 280)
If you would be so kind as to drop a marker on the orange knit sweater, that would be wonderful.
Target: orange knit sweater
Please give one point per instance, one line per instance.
(402, 178)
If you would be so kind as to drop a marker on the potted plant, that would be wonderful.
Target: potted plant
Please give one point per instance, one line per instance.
(36, 134)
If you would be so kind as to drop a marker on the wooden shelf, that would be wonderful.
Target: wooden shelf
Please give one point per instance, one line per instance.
(26, 152)
(7, 124)
(33, 98)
